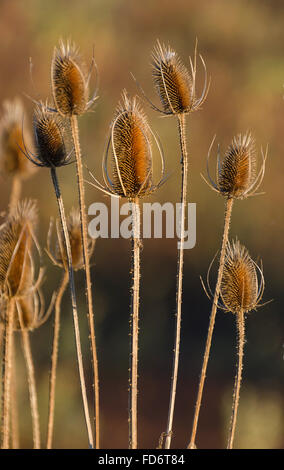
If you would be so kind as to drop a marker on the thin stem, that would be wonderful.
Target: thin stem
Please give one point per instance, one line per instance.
(228, 212)
(54, 357)
(74, 304)
(238, 379)
(184, 172)
(32, 386)
(14, 397)
(133, 373)
(15, 192)
(86, 257)
(7, 373)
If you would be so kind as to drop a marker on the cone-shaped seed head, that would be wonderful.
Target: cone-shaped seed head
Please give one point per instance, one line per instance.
(49, 142)
(12, 159)
(131, 149)
(172, 81)
(69, 82)
(238, 170)
(239, 287)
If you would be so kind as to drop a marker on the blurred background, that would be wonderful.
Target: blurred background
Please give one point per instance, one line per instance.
(242, 45)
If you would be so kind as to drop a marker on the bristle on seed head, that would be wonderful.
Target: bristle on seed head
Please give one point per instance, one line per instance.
(12, 160)
(69, 80)
(174, 83)
(237, 175)
(241, 290)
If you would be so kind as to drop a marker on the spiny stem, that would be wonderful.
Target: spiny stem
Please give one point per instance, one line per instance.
(228, 212)
(82, 204)
(133, 376)
(7, 372)
(238, 379)
(32, 386)
(52, 379)
(74, 304)
(15, 192)
(14, 397)
(184, 169)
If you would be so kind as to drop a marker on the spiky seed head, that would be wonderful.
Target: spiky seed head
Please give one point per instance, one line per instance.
(75, 235)
(49, 142)
(240, 287)
(131, 150)
(172, 81)
(238, 171)
(12, 160)
(16, 240)
(69, 80)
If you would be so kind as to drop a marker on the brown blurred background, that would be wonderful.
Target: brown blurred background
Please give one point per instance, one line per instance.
(242, 44)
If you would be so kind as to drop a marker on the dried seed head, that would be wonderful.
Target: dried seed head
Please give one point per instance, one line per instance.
(237, 176)
(172, 81)
(57, 254)
(238, 170)
(69, 80)
(50, 146)
(240, 289)
(16, 242)
(12, 160)
(131, 150)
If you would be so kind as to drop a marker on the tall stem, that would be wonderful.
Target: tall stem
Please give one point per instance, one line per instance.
(74, 304)
(228, 212)
(238, 379)
(32, 386)
(133, 373)
(15, 192)
(14, 398)
(52, 379)
(82, 204)
(184, 172)
(7, 373)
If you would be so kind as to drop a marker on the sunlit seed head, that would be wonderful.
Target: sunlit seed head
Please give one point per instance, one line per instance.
(69, 80)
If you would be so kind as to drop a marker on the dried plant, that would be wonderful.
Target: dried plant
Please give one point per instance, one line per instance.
(70, 86)
(22, 305)
(12, 162)
(132, 170)
(58, 257)
(176, 88)
(237, 178)
(241, 291)
(51, 153)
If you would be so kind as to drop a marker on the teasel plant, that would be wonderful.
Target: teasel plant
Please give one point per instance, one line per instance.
(175, 85)
(56, 252)
(241, 291)
(70, 88)
(22, 303)
(51, 153)
(130, 145)
(237, 177)
(13, 163)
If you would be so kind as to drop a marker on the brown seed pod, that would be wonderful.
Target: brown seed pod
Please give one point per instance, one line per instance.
(174, 83)
(69, 80)
(57, 253)
(240, 288)
(237, 176)
(12, 160)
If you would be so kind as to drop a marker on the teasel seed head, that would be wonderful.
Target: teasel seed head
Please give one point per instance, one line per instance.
(57, 252)
(241, 290)
(70, 82)
(174, 83)
(237, 175)
(50, 146)
(130, 142)
(12, 161)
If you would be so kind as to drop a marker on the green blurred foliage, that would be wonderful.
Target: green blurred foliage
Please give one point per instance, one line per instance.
(242, 44)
